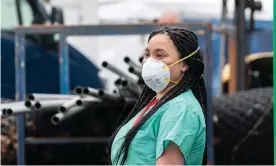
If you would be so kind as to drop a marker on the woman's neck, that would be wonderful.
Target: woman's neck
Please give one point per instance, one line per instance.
(159, 95)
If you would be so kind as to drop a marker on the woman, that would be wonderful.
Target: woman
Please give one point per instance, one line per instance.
(167, 124)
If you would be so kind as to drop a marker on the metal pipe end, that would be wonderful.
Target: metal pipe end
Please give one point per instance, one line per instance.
(55, 120)
(37, 105)
(124, 83)
(141, 59)
(62, 109)
(140, 82)
(78, 90)
(85, 90)
(131, 69)
(9, 112)
(101, 93)
(28, 103)
(126, 59)
(104, 64)
(79, 102)
(118, 81)
(4, 111)
(31, 97)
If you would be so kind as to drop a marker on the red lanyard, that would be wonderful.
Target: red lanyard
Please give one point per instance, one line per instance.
(153, 102)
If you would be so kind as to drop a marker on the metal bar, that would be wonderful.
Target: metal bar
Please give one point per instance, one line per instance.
(124, 30)
(222, 52)
(208, 61)
(232, 86)
(39, 29)
(63, 65)
(20, 93)
(105, 29)
(18, 11)
(11, 104)
(74, 140)
(240, 43)
(46, 96)
(222, 46)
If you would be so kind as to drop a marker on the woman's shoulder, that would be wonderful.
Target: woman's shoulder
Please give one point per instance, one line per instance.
(184, 105)
(185, 101)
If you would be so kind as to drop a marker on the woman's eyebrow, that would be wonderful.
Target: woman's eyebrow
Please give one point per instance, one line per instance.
(156, 50)
(160, 50)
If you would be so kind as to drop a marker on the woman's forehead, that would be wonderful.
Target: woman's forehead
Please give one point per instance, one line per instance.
(160, 41)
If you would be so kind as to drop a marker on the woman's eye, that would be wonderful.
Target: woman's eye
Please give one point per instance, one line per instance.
(159, 55)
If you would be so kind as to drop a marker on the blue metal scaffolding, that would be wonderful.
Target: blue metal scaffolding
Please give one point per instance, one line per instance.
(202, 28)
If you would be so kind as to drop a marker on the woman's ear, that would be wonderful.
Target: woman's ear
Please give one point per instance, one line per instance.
(184, 68)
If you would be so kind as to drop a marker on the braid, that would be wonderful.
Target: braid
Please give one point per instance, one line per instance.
(144, 97)
(186, 42)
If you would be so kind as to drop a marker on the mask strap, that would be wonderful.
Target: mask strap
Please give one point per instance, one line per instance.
(176, 82)
(167, 80)
(184, 57)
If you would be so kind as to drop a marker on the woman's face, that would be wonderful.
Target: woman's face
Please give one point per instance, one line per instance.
(161, 48)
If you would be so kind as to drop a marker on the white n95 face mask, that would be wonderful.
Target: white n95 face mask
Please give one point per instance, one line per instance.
(156, 74)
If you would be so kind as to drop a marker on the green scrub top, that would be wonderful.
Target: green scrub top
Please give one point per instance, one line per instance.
(180, 120)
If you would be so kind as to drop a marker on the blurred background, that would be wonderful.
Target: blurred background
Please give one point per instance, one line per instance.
(104, 78)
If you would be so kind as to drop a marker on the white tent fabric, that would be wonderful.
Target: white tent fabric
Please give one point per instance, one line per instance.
(128, 10)
(190, 8)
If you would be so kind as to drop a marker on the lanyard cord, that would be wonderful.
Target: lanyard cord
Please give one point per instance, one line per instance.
(153, 102)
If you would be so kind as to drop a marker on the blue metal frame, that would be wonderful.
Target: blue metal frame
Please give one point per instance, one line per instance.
(64, 31)
(208, 61)
(63, 65)
(99, 30)
(20, 79)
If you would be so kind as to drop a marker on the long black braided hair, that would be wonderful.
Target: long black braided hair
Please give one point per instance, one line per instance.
(186, 42)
